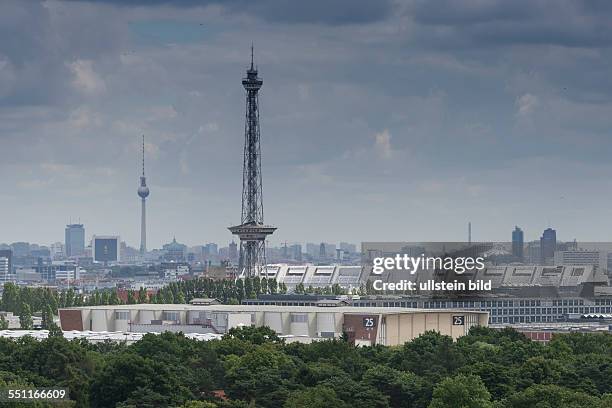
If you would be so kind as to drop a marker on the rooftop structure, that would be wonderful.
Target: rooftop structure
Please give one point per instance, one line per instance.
(584, 280)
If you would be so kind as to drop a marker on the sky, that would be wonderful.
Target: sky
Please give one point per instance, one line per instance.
(380, 121)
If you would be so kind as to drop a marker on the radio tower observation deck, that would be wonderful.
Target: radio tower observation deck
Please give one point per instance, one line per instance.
(252, 231)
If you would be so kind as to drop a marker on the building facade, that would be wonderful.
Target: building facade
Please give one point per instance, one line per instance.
(518, 243)
(74, 243)
(5, 275)
(327, 320)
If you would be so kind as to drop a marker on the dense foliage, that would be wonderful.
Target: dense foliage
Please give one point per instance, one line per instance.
(252, 367)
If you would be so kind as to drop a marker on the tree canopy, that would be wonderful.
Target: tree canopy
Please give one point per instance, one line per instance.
(252, 367)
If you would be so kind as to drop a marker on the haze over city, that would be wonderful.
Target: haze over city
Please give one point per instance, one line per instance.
(380, 121)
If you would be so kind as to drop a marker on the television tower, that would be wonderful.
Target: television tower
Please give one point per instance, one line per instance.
(143, 193)
(252, 231)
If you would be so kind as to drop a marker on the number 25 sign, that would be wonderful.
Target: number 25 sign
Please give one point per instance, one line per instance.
(369, 322)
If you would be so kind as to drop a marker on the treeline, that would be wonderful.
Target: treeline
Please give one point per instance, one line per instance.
(15, 298)
(228, 291)
(252, 367)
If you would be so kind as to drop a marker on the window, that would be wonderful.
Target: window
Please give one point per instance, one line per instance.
(174, 316)
(299, 318)
(122, 315)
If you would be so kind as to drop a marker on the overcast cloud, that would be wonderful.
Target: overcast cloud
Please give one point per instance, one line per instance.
(381, 121)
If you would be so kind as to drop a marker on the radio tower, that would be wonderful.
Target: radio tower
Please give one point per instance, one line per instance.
(143, 193)
(252, 231)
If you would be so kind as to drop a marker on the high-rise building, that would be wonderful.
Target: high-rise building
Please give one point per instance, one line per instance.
(5, 274)
(233, 252)
(106, 249)
(175, 252)
(312, 250)
(252, 230)
(518, 243)
(74, 244)
(348, 248)
(57, 250)
(8, 255)
(296, 252)
(548, 246)
(20, 249)
(322, 251)
(143, 193)
(213, 249)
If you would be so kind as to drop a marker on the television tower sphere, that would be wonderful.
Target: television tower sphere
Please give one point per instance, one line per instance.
(143, 190)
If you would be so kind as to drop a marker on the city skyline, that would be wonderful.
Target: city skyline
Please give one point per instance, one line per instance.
(383, 122)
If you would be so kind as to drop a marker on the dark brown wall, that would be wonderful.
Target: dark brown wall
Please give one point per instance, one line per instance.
(71, 319)
(356, 330)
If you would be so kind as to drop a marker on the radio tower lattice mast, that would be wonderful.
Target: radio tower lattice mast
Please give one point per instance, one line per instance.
(252, 231)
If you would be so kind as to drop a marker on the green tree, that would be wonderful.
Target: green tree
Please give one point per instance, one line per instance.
(25, 317)
(252, 334)
(4, 324)
(550, 396)
(114, 298)
(55, 330)
(461, 391)
(316, 397)
(403, 387)
(47, 317)
(142, 295)
(131, 299)
(69, 298)
(10, 298)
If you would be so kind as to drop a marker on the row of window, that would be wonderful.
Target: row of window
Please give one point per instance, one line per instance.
(521, 319)
(125, 315)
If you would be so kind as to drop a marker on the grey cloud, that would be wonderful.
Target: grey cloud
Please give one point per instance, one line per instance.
(334, 12)
(440, 86)
(498, 22)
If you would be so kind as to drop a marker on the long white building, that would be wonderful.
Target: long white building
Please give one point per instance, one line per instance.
(329, 319)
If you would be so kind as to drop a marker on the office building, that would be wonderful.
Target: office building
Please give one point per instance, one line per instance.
(548, 246)
(233, 252)
(174, 251)
(348, 248)
(106, 249)
(58, 271)
(296, 252)
(517, 244)
(579, 257)
(8, 254)
(5, 275)
(57, 250)
(327, 320)
(312, 250)
(20, 249)
(74, 243)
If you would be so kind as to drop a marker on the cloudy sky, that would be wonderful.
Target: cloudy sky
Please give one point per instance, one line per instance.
(381, 121)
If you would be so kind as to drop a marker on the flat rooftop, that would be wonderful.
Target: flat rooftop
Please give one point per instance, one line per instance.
(272, 308)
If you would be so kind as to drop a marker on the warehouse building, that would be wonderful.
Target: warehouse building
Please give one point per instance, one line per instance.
(326, 320)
